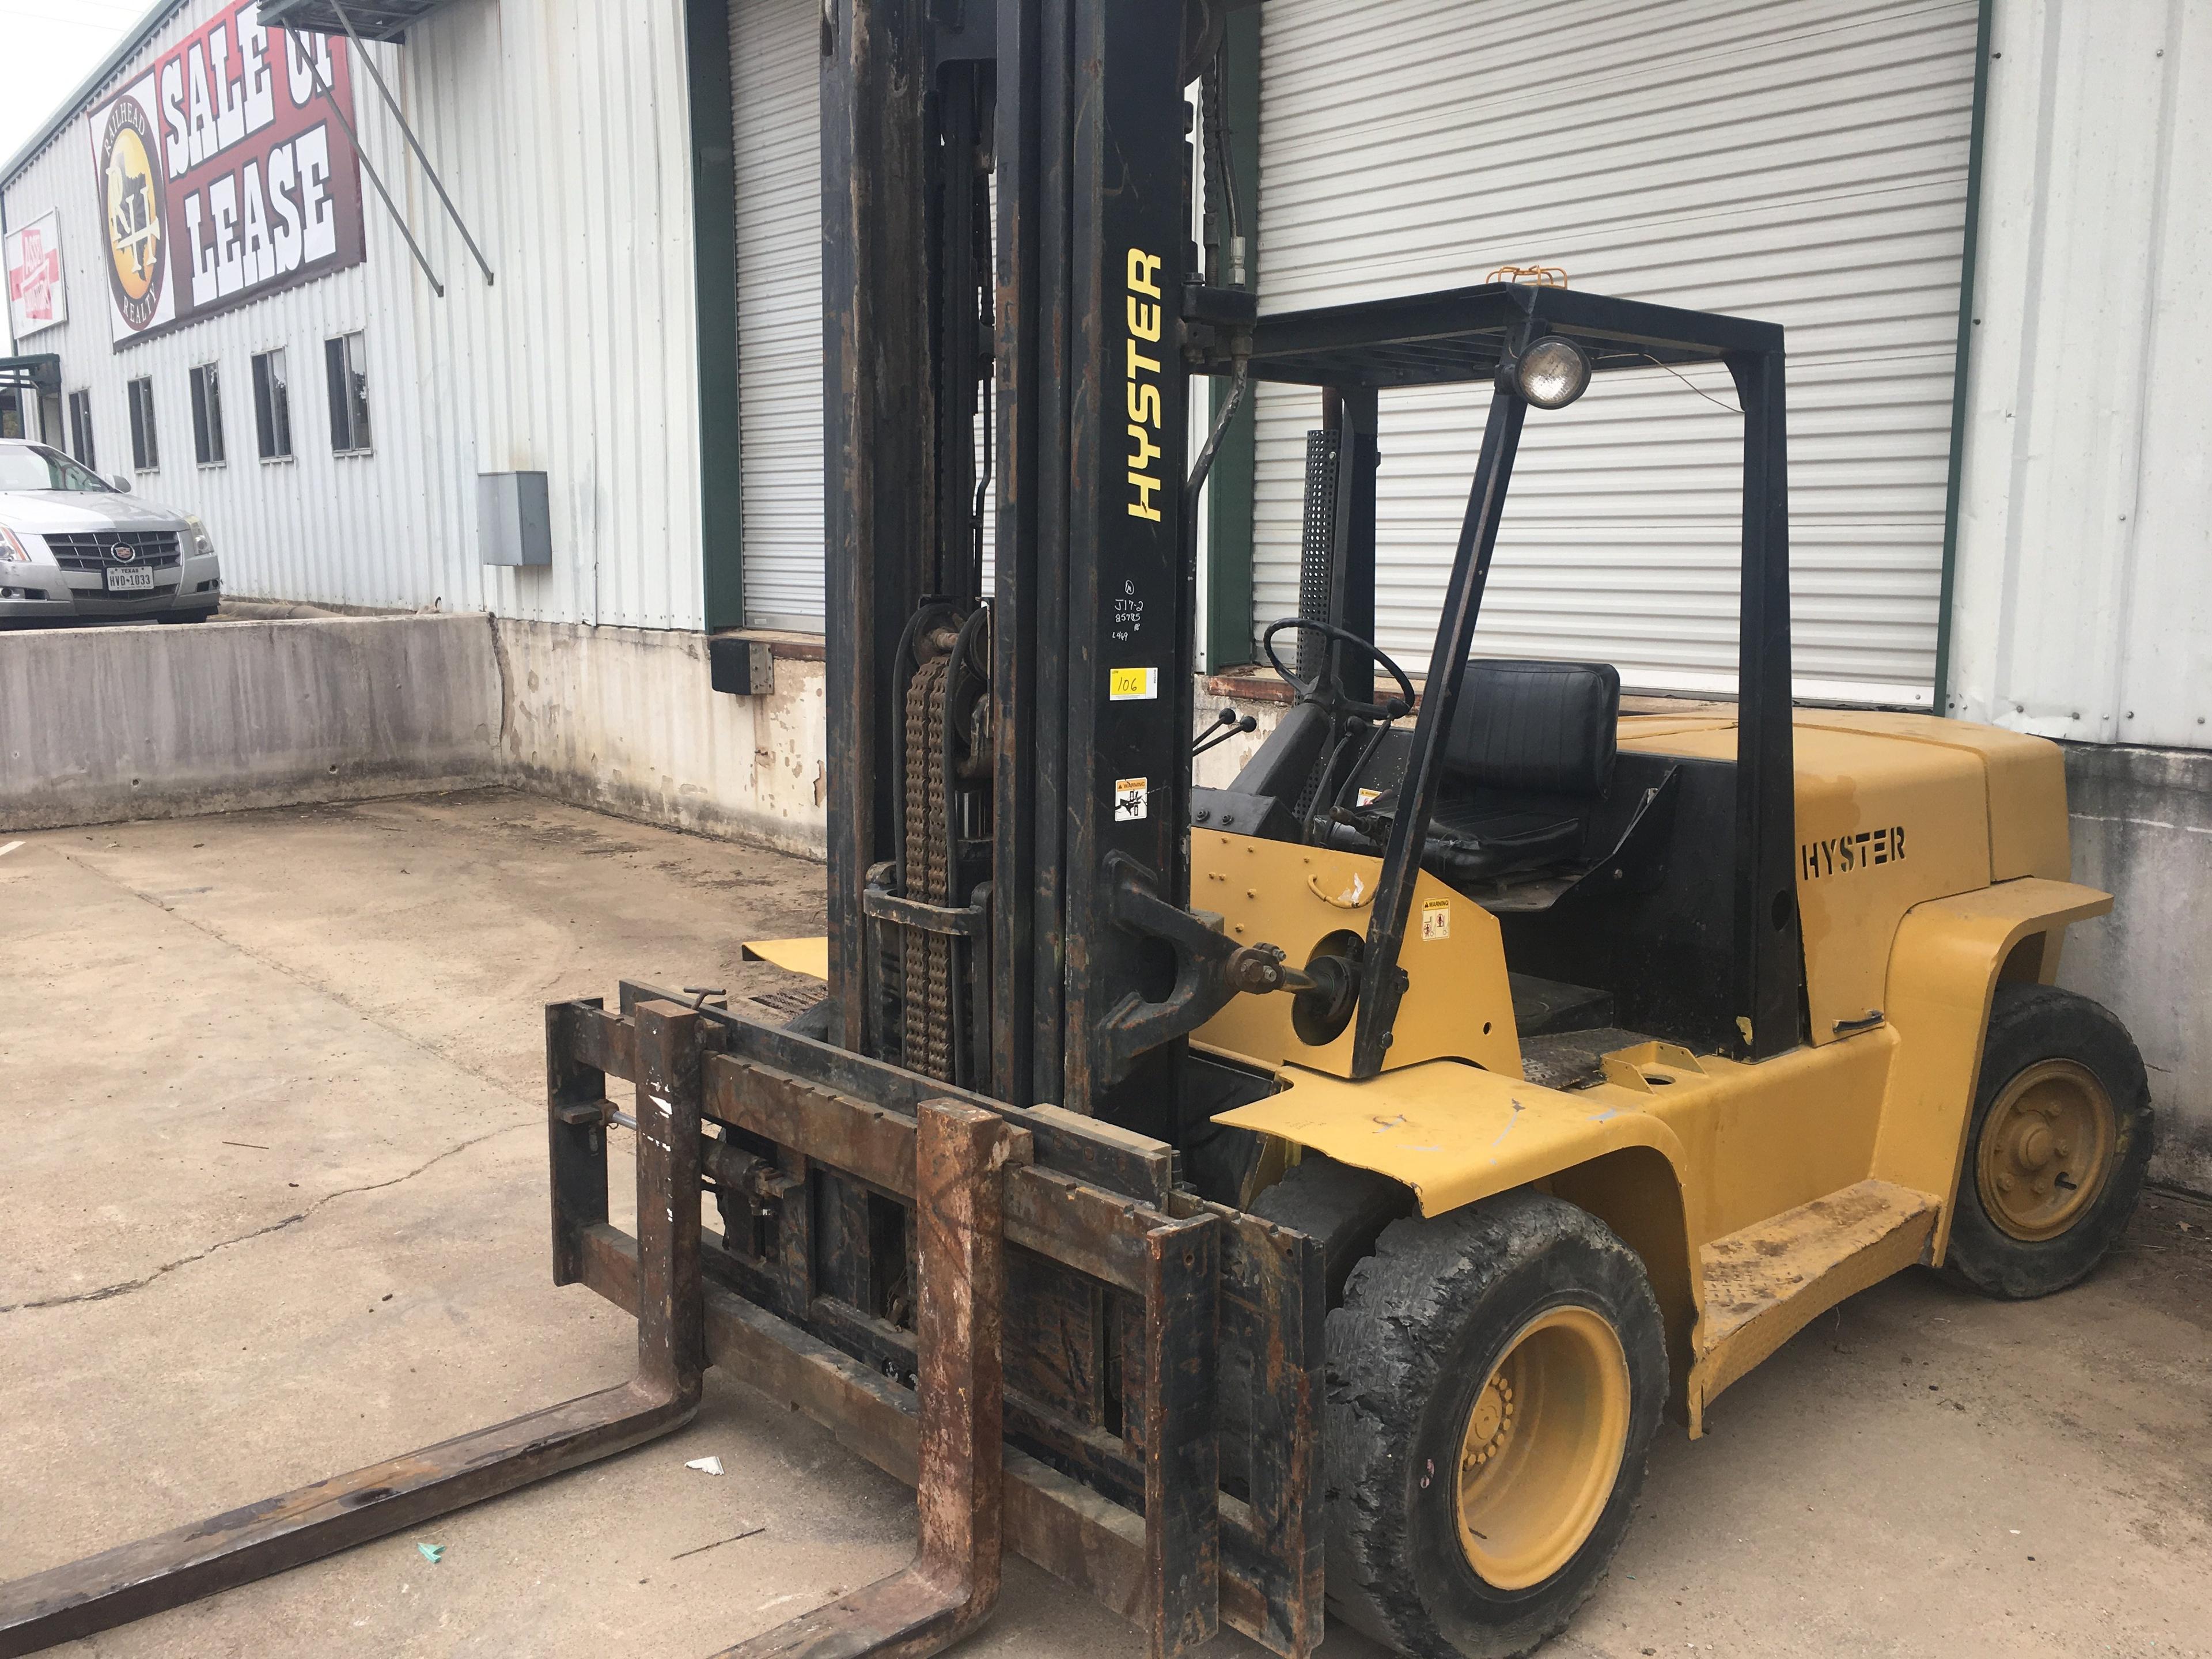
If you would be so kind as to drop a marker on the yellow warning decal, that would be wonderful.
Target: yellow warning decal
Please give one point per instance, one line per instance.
(1436, 919)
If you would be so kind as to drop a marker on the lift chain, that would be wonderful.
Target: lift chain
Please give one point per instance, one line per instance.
(927, 958)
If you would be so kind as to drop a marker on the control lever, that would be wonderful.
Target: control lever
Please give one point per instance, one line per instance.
(1226, 724)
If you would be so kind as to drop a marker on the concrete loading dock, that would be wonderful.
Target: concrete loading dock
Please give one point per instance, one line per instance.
(237, 1155)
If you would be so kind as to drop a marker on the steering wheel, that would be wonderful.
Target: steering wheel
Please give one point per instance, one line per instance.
(1324, 688)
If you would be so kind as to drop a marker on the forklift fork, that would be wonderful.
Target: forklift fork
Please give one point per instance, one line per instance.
(953, 1583)
(961, 1155)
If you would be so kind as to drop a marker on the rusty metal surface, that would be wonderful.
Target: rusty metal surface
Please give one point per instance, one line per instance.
(1099, 1153)
(961, 1153)
(240, 1545)
(1079, 1535)
(1096, 1232)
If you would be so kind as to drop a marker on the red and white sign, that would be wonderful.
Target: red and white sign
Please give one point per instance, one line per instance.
(224, 175)
(35, 296)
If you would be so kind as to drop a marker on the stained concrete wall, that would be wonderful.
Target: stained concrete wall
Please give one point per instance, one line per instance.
(2143, 831)
(98, 725)
(622, 719)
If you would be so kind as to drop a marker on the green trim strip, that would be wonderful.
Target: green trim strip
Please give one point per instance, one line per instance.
(1967, 262)
(714, 290)
(1229, 488)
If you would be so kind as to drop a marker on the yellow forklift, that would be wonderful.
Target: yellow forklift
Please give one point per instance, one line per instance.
(1304, 1198)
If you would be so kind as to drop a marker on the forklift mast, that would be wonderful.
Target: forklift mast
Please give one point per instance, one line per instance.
(1009, 761)
(1013, 308)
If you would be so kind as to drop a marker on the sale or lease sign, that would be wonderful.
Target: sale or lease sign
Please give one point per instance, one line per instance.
(35, 297)
(224, 175)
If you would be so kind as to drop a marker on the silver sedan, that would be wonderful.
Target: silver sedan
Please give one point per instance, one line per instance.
(75, 547)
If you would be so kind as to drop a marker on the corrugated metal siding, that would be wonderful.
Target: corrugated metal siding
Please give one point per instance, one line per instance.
(560, 128)
(776, 68)
(2084, 596)
(1803, 162)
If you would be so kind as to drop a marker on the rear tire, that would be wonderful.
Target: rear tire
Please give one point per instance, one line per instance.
(2058, 1148)
(1429, 1488)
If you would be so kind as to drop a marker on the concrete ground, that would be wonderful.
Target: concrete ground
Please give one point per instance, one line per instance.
(274, 1207)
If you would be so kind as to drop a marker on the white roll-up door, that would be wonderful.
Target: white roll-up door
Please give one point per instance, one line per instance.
(1802, 162)
(775, 66)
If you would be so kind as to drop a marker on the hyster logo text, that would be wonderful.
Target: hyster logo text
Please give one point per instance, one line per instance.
(1145, 404)
(1844, 854)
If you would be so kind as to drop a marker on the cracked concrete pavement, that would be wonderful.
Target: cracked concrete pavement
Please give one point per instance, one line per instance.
(274, 1207)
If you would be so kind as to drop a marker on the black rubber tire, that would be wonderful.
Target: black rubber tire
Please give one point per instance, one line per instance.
(1425, 1320)
(1346, 1209)
(2029, 1023)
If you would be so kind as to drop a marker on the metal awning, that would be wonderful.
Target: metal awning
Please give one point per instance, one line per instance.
(41, 373)
(360, 21)
(373, 19)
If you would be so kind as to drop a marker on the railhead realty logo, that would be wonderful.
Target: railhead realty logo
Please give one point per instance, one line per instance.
(130, 193)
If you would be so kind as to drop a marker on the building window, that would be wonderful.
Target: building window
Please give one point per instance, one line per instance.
(80, 426)
(272, 406)
(145, 447)
(346, 360)
(207, 415)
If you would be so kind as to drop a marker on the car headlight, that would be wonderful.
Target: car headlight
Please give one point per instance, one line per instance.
(11, 550)
(203, 544)
(1552, 373)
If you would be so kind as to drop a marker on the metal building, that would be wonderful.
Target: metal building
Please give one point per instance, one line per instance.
(1978, 220)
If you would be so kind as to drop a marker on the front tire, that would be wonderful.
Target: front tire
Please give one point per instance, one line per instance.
(2058, 1148)
(1495, 1379)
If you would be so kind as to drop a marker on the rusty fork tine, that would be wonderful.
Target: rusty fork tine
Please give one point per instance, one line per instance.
(953, 1585)
(241, 1544)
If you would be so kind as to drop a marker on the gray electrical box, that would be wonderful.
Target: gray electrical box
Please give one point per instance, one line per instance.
(514, 518)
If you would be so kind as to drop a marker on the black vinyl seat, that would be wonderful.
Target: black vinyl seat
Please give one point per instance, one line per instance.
(1528, 762)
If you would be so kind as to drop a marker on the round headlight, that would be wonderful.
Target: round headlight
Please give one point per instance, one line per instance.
(1552, 373)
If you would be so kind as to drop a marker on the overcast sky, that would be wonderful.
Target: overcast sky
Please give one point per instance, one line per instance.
(50, 45)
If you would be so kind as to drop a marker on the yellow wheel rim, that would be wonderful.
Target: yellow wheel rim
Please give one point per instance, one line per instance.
(1541, 1448)
(2045, 1149)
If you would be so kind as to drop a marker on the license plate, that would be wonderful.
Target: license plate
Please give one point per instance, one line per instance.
(120, 581)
